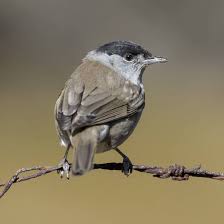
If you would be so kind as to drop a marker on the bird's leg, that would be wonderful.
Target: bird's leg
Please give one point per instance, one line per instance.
(127, 164)
(65, 165)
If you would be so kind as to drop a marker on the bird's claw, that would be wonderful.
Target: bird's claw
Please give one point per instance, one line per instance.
(127, 166)
(65, 169)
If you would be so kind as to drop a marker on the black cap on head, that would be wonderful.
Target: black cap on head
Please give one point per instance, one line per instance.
(122, 48)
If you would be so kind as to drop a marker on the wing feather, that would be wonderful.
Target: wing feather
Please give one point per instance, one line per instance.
(76, 108)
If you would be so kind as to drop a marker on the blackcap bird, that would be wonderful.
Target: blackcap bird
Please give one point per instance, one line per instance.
(102, 103)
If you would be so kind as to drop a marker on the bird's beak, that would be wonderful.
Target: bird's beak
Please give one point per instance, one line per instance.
(154, 59)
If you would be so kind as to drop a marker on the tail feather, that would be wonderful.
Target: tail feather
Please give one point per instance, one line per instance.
(83, 156)
(86, 144)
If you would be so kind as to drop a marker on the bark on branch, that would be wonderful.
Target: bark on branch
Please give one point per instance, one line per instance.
(175, 172)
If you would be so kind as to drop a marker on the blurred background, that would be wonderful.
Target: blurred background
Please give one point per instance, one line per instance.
(42, 42)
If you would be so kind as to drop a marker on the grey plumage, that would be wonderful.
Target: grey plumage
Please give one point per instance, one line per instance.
(86, 102)
(99, 108)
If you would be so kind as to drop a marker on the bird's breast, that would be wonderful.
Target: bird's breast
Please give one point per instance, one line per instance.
(131, 92)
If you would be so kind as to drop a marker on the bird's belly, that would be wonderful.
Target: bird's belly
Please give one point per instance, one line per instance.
(118, 132)
(122, 129)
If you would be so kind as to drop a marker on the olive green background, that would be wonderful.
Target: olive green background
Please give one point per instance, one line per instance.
(42, 42)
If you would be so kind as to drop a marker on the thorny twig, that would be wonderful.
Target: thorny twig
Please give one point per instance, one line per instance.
(175, 172)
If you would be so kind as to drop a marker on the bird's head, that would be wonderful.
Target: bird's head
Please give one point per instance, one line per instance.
(126, 58)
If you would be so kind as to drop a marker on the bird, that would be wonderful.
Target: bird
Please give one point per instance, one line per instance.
(101, 103)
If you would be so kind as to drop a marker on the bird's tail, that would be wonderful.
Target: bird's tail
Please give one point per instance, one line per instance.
(84, 153)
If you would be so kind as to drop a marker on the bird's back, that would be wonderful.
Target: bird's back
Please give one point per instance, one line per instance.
(95, 94)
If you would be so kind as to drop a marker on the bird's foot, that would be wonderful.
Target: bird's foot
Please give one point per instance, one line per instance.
(127, 166)
(65, 168)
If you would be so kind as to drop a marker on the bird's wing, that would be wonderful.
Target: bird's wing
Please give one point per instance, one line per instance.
(66, 107)
(106, 106)
(75, 109)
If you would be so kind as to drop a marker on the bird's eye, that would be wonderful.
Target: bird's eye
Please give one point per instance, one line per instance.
(129, 57)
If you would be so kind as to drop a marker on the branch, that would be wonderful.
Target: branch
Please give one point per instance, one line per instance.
(175, 172)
